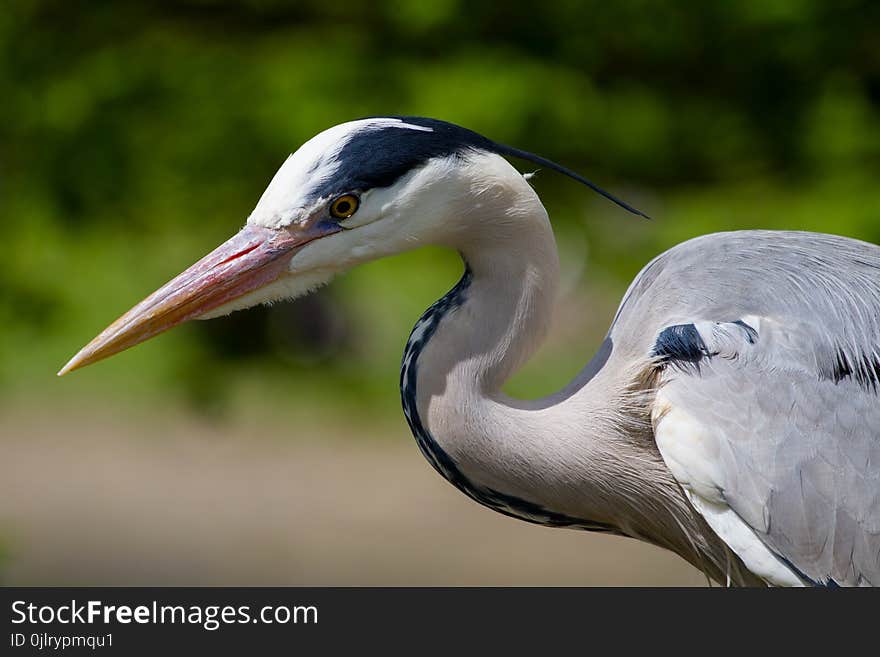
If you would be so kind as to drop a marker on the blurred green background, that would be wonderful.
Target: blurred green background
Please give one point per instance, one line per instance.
(137, 136)
(134, 137)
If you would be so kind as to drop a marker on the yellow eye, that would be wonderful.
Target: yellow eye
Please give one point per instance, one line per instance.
(344, 206)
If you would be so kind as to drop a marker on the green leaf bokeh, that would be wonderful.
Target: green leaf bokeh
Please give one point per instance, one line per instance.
(134, 137)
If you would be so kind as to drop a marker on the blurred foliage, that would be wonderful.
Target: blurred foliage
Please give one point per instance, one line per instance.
(136, 136)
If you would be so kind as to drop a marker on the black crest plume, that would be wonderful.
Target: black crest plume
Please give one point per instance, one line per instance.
(446, 138)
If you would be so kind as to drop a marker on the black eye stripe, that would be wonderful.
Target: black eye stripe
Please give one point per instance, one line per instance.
(378, 155)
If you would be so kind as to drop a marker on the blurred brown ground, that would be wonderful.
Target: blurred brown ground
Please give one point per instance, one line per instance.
(97, 497)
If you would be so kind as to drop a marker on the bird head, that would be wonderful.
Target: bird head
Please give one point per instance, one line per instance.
(353, 193)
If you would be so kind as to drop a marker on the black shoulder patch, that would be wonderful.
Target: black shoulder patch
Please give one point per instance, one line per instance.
(863, 368)
(684, 345)
(680, 343)
(751, 334)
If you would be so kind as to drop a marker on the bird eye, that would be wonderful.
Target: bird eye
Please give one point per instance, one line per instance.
(344, 206)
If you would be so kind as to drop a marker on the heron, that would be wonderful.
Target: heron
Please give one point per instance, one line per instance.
(730, 415)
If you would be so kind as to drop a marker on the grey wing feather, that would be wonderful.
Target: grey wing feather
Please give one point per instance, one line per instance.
(782, 362)
(799, 462)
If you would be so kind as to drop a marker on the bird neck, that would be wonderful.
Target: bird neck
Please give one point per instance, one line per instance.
(467, 345)
(583, 457)
(506, 309)
(489, 325)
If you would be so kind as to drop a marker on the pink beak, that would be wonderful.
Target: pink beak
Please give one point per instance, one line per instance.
(253, 258)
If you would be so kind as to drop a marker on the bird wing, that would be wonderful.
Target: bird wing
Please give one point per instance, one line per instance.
(776, 443)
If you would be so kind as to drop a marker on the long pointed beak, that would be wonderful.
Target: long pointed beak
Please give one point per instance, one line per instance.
(254, 257)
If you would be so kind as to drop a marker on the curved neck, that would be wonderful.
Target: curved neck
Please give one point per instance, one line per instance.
(584, 457)
(468, 344)
(461, 352)
(507, 310)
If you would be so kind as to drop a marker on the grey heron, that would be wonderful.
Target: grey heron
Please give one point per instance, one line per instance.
(731, 414)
